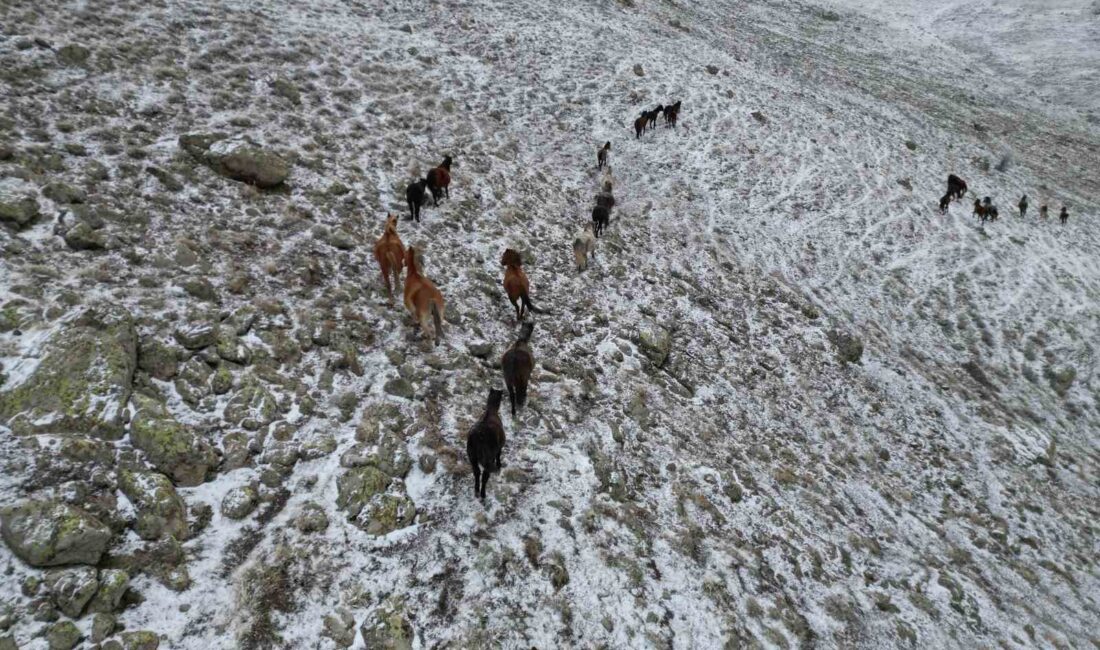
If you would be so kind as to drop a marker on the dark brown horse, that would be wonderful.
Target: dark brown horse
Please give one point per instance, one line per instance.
(416, 196)
(672, 113)
(517, 364)
(601, 155)
(956, 187)
(439, 180)
(485, 443)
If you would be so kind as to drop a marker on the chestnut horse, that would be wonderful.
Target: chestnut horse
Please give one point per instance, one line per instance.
(516, 285)
(390, 253)
(439, 180)
(422, 298)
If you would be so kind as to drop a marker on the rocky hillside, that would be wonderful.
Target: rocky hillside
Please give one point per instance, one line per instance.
(789, 404)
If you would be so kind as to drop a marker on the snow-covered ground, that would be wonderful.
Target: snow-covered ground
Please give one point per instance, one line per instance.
(750, 489)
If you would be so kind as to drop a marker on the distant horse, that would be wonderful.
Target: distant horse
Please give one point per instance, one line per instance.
(651, 116)
(945, 201)
(390, 253)
(985, 212)
(956, 187)
(516, 284)
(601, 216)
(639, 126)
(1023, 206)
(422, 298)
(485, 443)
(1043, 211)
(584, 246)
(672, 113)
(517, 364)
(601, 155)
(416, 197)
(1063, 216)
(439, 180)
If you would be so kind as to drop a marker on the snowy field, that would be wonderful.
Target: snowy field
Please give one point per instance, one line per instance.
(697, 466)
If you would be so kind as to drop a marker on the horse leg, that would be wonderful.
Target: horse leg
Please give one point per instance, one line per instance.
(386, 281)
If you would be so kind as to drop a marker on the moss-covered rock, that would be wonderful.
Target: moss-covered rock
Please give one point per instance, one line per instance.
(82, 237)
(160, 510)
(158, 359)
(112, 585)
(18, 208)
(252, 407)
(171, 447)
(48, 533)
(71, 589)
(386, 513)
(140, 640)
(83, 382)
(239, 502)
(656, 342)
(231, 348)
(254, 165)
(358, 486)
(388, 628)
(63, 635)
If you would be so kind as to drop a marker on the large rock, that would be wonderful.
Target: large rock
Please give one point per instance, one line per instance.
(387, 513)
(357, 487)
(48, 533)
(71, 589)
(158, 359)
(82, 237)
(170, 446)
(239, 502)
(237, 160)
(18, 205)
(63, 635)
(160, 510)
(849, 347)
(83, 382)
(59, 192)
(656, 342)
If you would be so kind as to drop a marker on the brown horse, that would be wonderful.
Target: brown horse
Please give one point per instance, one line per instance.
(639, 125)
(601, 155)
(516, 285)
(390, 253)
(945, 201)
(485, 443)
(439, 180)
(956, 187)
(517, 364)
(422, 298)
(672, 113)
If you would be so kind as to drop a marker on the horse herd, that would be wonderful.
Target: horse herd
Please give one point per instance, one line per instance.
(984, 209)
(425, 302)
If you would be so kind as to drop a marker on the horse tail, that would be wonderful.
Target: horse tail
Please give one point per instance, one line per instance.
(438, 319)
(528, 306)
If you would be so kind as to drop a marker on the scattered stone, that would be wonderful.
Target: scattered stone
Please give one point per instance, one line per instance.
(82, 237)
(48, 533)
(656, 342)
(849, 348)
(759, 117)
(639, 70)
(312, 519)
(73, 54)
(112, 586)
(287, 90)
(71, 589)
(399, 387)
(340, 627)
(252, 407)
(63, 636)
(239, 502)
(170, 182)
(64, 193)
(480, 350)
(103, 626)
(201, 289)
(17, 208)
(140, 640)
(196, 336)
(158, 359)
(388, 627)
(712, 69)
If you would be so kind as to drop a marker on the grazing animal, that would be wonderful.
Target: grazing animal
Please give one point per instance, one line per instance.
(1063, 216)
(672, 113)
(980, 211)
(584, 245)
(517, 365)
(1023, 206)
(390, 253)
(485, 443)
(422, 298)
(601, 216)
(601, 155)
(439, 180)
(945, 201)
(956, 187)
(1043, 211)
(416, 197)
(516, 284)
(639, 126)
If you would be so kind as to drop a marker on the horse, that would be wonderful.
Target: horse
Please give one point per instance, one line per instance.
(416, 197)
(672, 113)
(1043, 211)
(956, 187)
(517, 364)
(601, 216)
(390, 253)
(601, 155)
(639, 126)
(651, 116)
(945, 201)
(516, 284)
(439, 179)
(485, 443)
(584, 244)
(1063, 216)
(1023, 206)
(422, 298)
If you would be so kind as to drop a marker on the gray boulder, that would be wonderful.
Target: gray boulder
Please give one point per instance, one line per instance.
(48, 533)
(112, 585)
(239, 502)
(83, 382)
(71, 589)
(82, 237)
(18, 205)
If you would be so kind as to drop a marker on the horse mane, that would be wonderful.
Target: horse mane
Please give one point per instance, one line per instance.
(511, 258)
